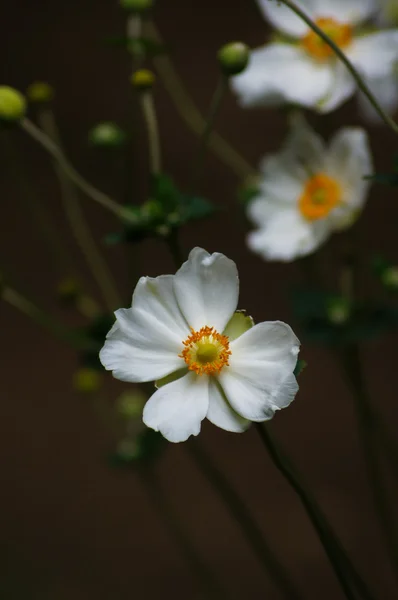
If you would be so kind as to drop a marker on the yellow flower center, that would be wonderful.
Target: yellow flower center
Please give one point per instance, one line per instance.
(340, 33)
(206, 351)
(321, 194)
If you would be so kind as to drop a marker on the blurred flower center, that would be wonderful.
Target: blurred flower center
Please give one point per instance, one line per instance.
(206, 351)
(321, 194)
(340, 33)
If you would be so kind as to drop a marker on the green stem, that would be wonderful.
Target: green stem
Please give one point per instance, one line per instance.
(341, 564)
(37, 315)
(205, 137)
(92, 192)
(192, 116)
(149, 112)
(205, 577)
(77, 222)
(174, 246)
(359, 80)
(243, 518)
(351, 365)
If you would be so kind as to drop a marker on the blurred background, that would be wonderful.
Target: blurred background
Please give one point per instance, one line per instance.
(71, 526)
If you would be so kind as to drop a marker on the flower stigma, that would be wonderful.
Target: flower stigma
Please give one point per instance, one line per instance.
(340, 33)
(321, 195)
(206, 351)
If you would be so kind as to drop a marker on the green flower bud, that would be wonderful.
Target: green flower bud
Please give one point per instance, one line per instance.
(137, 6)
(131, 404)
(143, 80)
(12, 104)
(40, 91)
(338, 311)
(233, 58)
(107, 135)
(389, 277)
(87, 380)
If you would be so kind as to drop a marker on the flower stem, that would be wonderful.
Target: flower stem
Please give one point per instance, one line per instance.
(359, 80)
(77, 221)
(210, 585)
(148, 109)
(92, 192)
(192, 116)
(39, 316)
(351, 365)
(209, 124)
(239, 511)
(341, 564)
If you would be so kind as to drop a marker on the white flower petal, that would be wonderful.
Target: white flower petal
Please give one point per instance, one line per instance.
(282, 73)
(342, 89)
(385, 89)
(178, 408)
(220, 413)
(283, 18)
(283, 177)
(345, 11)
(349, 161)
(260, 377)
(207, 289)
(375, 54)
(287, 236)
(304, 146)
(137, 358)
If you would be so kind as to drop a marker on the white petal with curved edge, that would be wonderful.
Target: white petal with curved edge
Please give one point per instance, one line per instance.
(342, 89)
(345, 11)
(283, 18)
(287, 236)
(283, 177)
(207, 289)
(349, 161)
(267, 341)
(137, 359)
(220, 413)
(385, 90)
(375, 54)
(282, 73)
(258, 396)
(156, 297)
(177, 409)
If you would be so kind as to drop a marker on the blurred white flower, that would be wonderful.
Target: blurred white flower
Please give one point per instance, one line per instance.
(308, 190)
(182, 329)
(302, 69)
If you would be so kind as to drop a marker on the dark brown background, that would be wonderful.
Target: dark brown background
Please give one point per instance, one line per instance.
(71, 528)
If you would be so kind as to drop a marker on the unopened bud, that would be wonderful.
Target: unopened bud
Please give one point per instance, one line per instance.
(131, 404)
(233, 58)
(137, 6)
(338, 311)
(12, 104)
(107, 135)
(87, 380)
(143, 79)
(389, 277)
(40, 92)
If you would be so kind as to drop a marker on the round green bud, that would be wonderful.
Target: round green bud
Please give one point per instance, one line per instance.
(143, 79)
(107, 135)
(12, 104)
(131, 404)
(389, 277)
(87, 380)
(233, 58)
(40, 91)
(338, 311)
(137, 6)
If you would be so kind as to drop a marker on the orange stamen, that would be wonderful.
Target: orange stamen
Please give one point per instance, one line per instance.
(340, 33)
(206, 351)
(321, 194)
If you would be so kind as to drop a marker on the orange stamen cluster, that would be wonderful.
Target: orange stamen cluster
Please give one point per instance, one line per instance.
(321, 194)
(206, 351)
(340, 33)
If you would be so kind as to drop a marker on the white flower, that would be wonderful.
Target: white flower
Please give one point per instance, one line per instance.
(304, 70)
(308, 190)
(216, 364)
